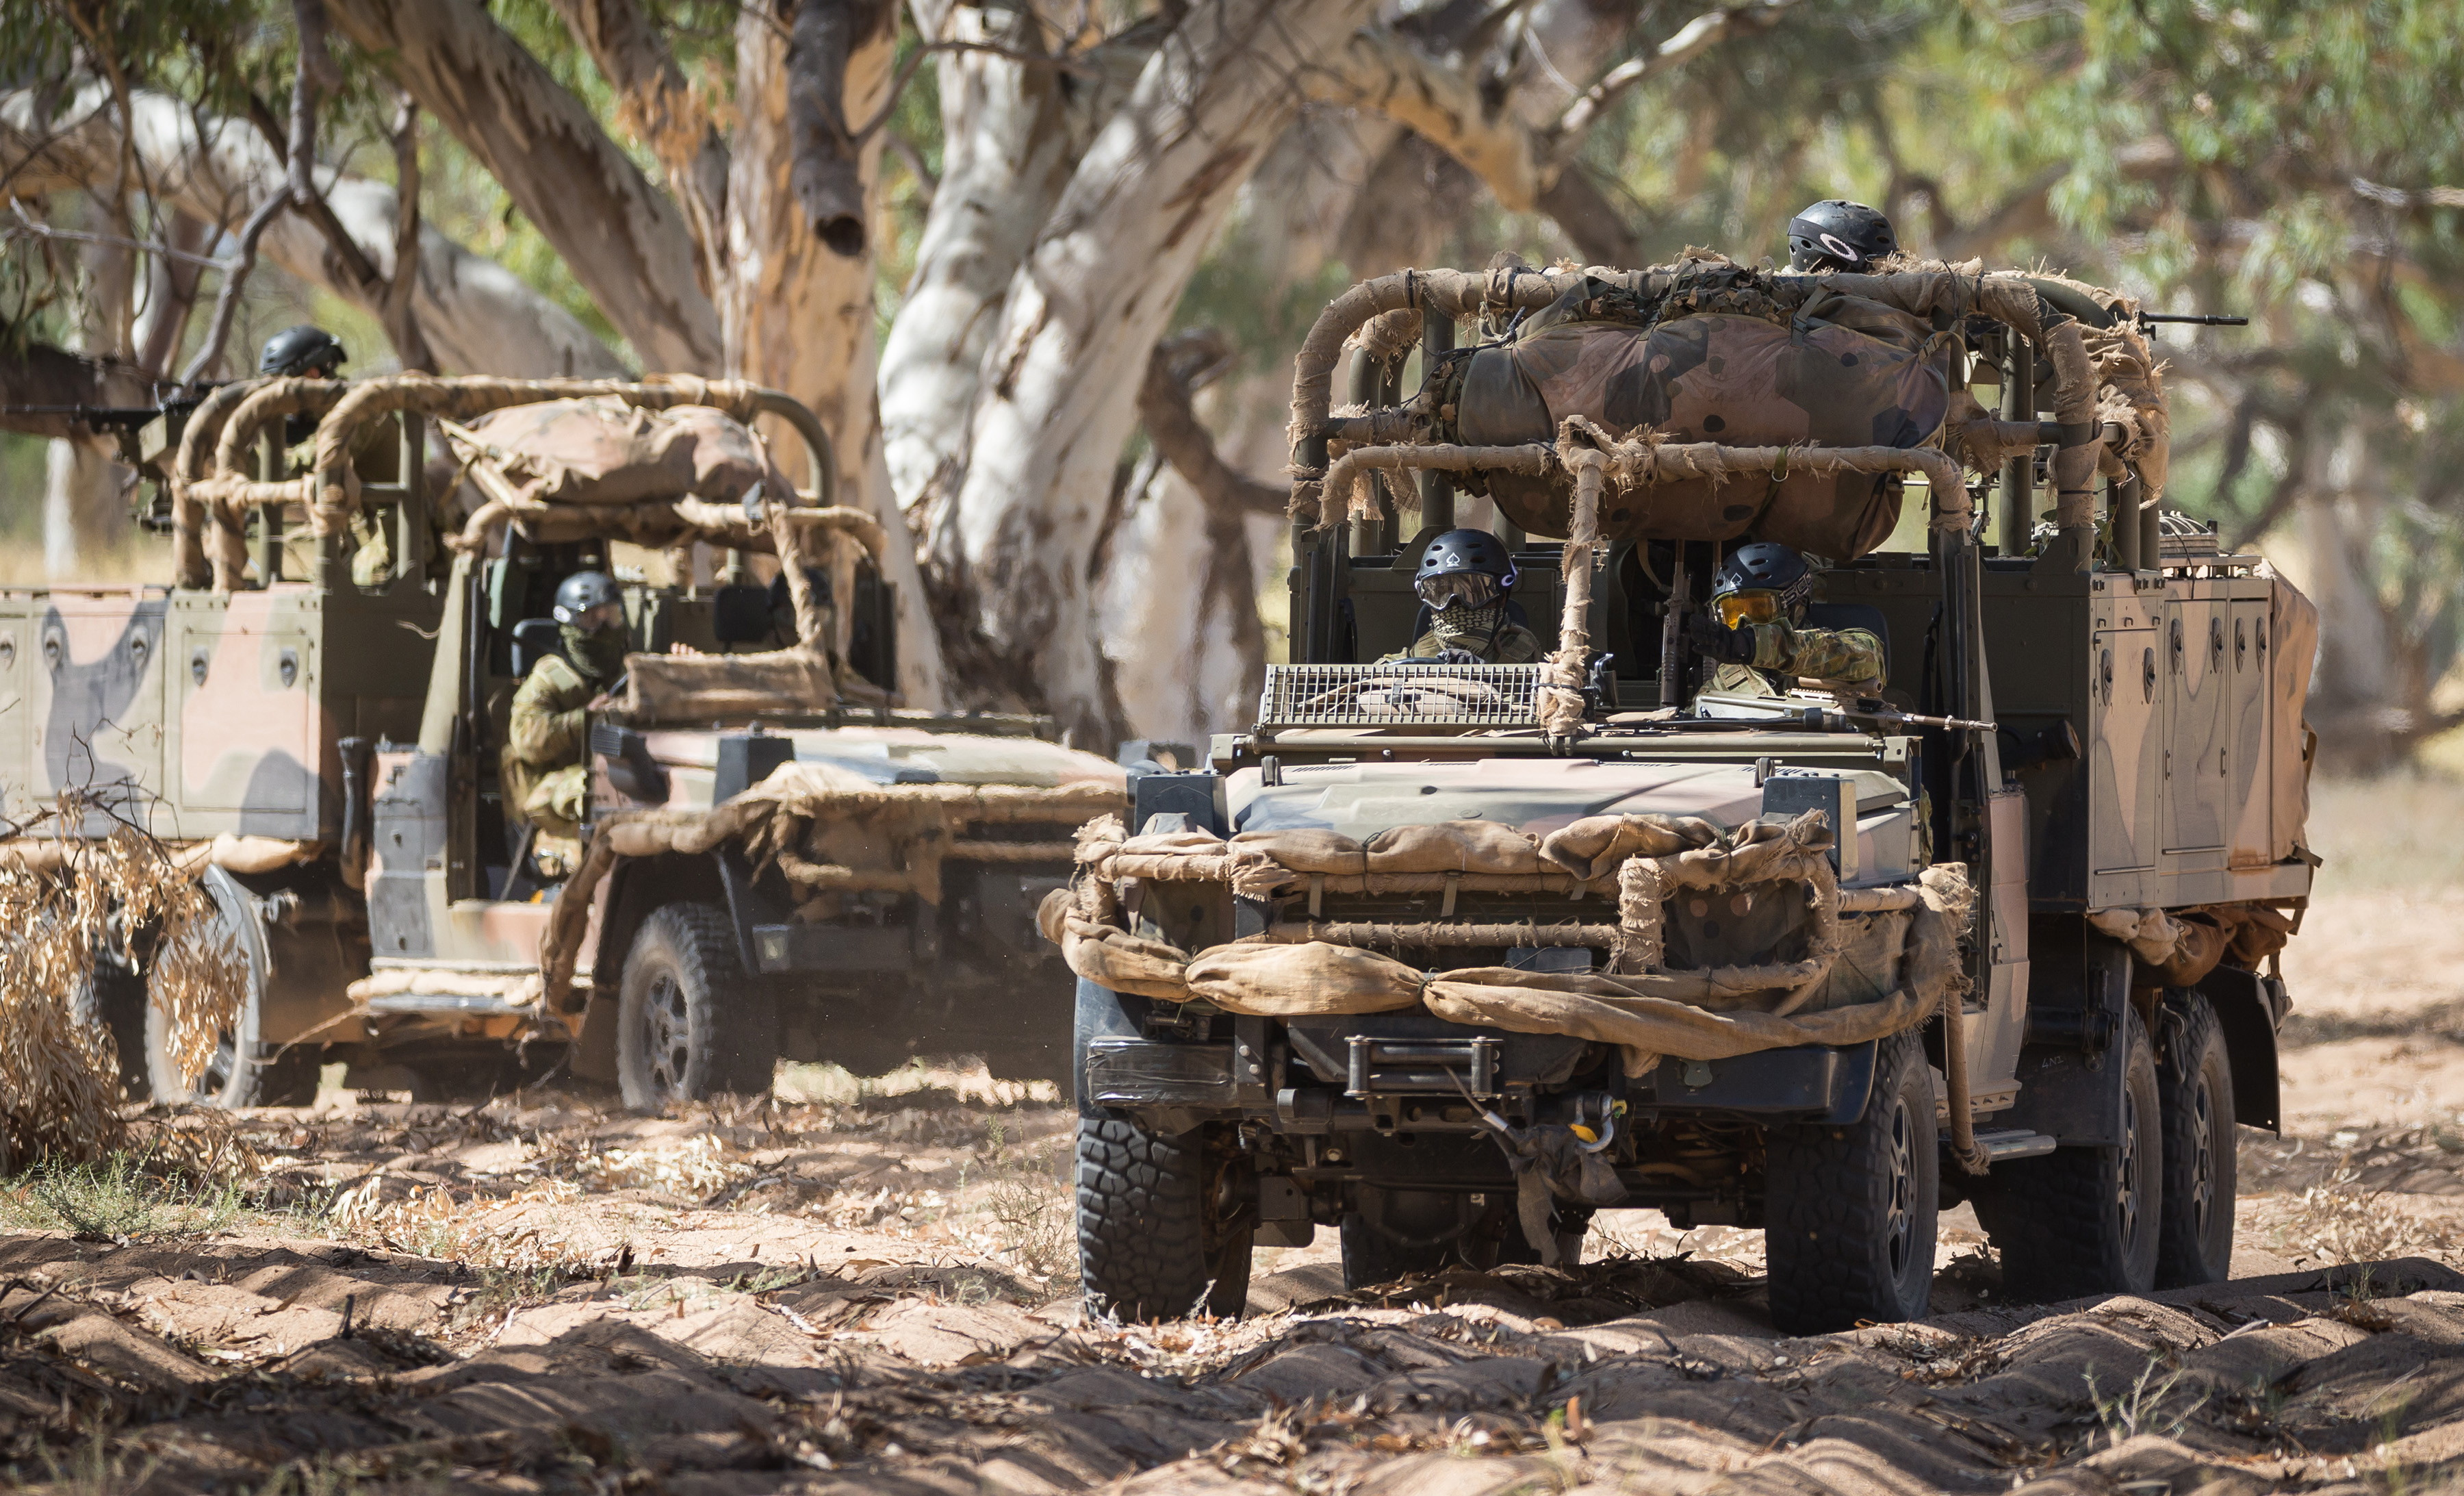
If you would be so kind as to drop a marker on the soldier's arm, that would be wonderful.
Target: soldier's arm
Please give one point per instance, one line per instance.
(1854, 655)
(548, 725)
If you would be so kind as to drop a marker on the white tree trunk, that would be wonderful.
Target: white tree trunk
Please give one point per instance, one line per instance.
(624, 240)
(77, 488)
(478, 316)
(1005, 157)
(800, 317)
(1081, 317)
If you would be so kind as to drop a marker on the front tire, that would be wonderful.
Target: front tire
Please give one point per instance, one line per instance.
(689, 1023)
(2085, 1219)
(2194, 1092)
(1157, 1239)
(1849, 1213)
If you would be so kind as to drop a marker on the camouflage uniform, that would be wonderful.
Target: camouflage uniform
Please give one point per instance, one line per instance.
(545, 770)
(1851, 657)
(1486, 632)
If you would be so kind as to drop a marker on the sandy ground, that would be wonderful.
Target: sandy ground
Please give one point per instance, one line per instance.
(871, 1287)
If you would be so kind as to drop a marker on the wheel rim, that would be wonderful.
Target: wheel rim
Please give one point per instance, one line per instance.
(2203, 1159)
(1900, 1223)
(667, 1037)
(2126, 1202)
(221, 1066)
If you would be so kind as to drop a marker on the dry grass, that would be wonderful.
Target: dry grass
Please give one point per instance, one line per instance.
(123, 894)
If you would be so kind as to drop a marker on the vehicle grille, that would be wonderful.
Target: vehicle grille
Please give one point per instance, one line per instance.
(1380, 696)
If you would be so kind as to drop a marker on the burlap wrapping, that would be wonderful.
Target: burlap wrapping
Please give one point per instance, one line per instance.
(1900, 961)
(1317, 979)
(2179, 947)
(829, 830)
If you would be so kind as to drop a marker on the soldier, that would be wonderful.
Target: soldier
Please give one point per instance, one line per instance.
(1464, 581)
(544, 768)
(306, 352)
(1756, 625)
(1839, 234)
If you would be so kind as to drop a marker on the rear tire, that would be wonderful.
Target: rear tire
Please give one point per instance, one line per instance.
(2194, 1090)
(112, 998)
(689, 1023)
(1849, 1213)
(1154, 1238)
(2085, 1219)
(240, 1073)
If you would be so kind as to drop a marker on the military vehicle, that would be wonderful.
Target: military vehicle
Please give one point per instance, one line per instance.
(315, 703)
(1449, 956)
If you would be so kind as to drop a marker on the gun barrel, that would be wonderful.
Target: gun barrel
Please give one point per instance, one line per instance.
(2195, 318)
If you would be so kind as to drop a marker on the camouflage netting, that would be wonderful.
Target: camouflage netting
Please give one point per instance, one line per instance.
(831, 832)
(1867, 963)
(1776, 377)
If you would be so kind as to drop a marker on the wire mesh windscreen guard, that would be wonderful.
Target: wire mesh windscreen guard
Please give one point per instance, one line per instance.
(1383, 696)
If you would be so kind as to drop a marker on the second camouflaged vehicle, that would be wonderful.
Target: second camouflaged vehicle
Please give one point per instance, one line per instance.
(772, 860)
(1448, 956)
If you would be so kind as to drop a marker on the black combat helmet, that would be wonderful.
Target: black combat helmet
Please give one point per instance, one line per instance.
(582, 592)
(304, 350)
(1466, 565)
(1839, 234)
(1764, 568)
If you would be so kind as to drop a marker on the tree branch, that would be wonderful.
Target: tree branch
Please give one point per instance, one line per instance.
(656, 104)
(625, 242)
(1691, 41)
(827, 176)
(1179, 367)
(234, 278)
(401, 323)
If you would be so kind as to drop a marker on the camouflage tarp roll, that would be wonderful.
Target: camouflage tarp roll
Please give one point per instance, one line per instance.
(1853, 373)
(605, 452)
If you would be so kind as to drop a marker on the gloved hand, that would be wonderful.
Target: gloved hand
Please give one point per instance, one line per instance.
(1728, 646)
(1455, 656)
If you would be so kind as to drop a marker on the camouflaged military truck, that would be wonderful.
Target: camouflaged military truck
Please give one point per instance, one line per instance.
(1449, 956)
(775, 860)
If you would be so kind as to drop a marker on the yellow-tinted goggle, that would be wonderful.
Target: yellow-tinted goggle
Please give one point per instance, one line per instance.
(1739, 609)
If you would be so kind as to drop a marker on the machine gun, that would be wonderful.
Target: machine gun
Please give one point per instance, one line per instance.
(2150, 321)
(147, 434)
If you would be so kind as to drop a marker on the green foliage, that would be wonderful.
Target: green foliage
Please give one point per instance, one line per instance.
(116, 1198)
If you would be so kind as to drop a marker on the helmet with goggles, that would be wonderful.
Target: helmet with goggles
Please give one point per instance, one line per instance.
(1464, 568)
(1760, 582)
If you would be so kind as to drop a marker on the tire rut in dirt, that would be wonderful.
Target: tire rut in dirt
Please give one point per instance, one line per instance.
(1851, 1211)
(2083, 1220)
(1144, 1251)
(2195, 1095)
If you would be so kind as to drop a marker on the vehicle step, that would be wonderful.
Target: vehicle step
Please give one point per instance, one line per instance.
(2005, 1142)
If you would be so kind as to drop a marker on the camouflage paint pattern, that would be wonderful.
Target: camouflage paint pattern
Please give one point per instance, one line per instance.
(1739, 380)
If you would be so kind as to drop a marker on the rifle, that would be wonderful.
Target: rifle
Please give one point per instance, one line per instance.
(1872, 710)
(2147, 320)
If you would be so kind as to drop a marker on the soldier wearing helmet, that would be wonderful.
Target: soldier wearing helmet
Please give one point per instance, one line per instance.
(1839, 234)
(1465, 583)
(306, 352)
(1757, 625)
(545, 766)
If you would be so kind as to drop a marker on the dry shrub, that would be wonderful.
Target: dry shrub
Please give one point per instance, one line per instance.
(429, 1221)
(60, 914)
(2340, 1220)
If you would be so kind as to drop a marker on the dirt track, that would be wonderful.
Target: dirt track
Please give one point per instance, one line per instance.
(873, 1292)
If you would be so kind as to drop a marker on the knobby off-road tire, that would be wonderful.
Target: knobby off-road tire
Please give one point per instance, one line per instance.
(2194, 1092)
(1149, 1244)
(1850, 1212)
(112, 998)
(2085, 1219)
(690, 1021)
